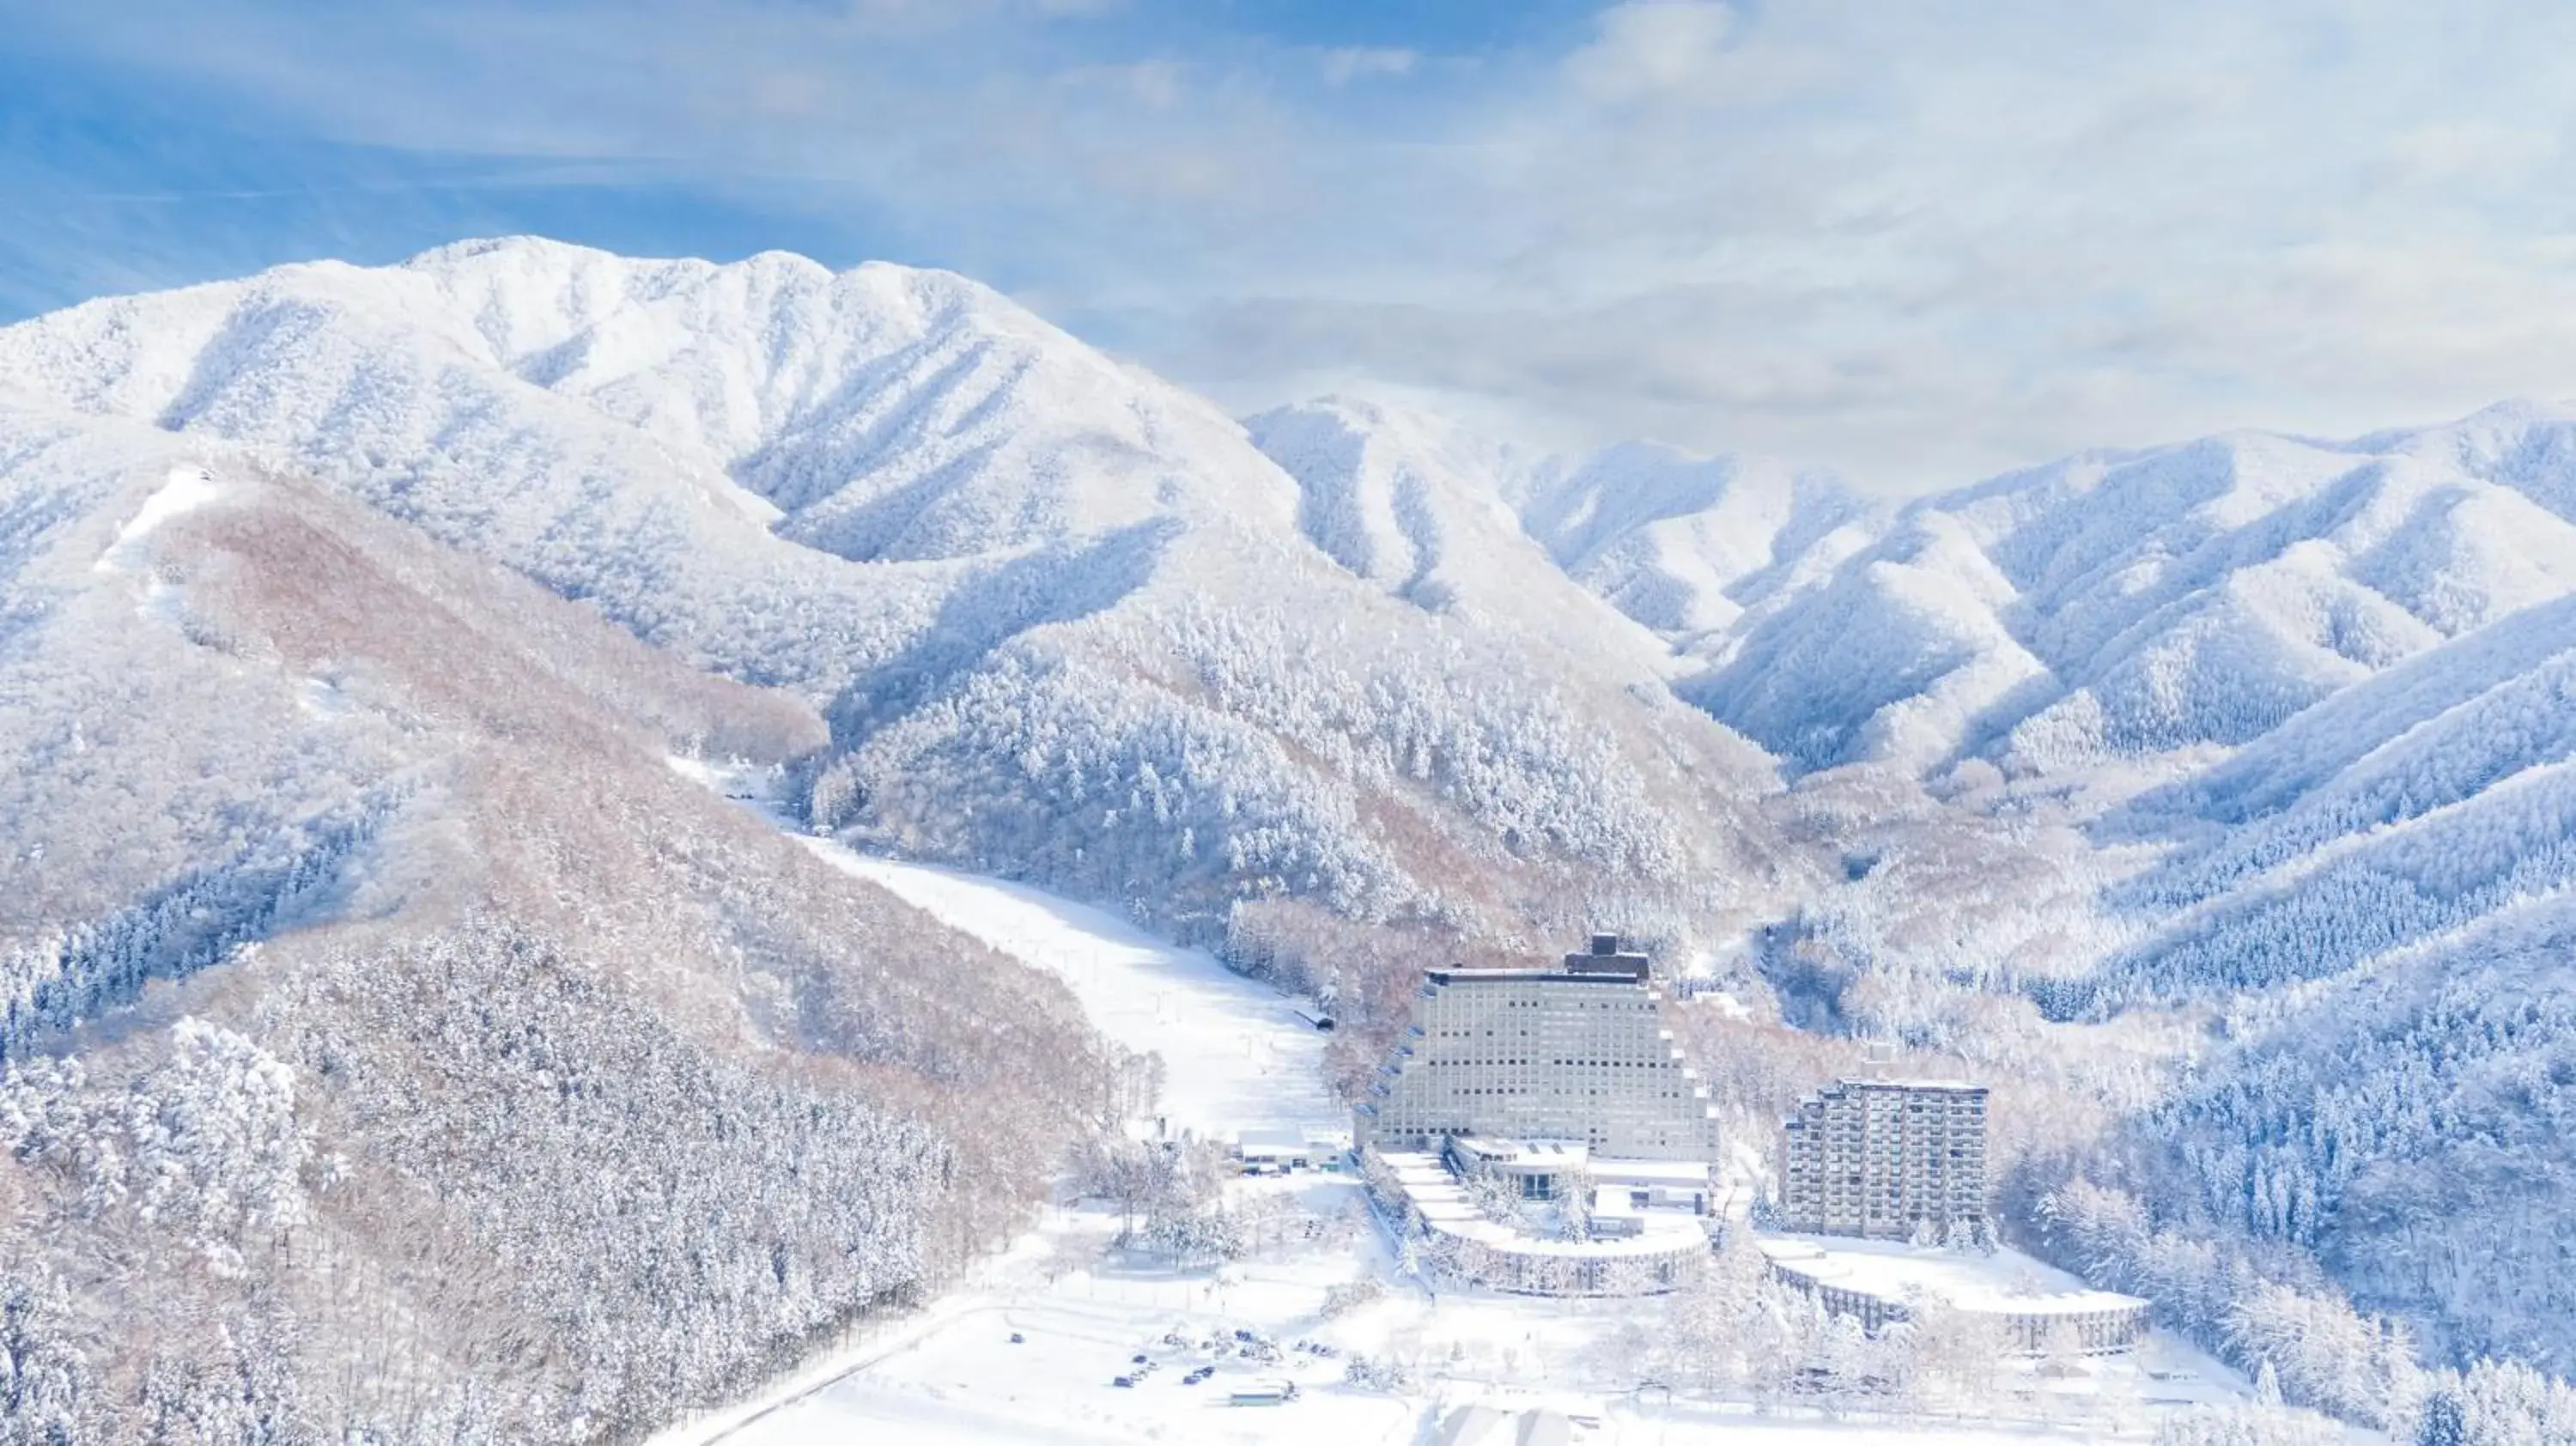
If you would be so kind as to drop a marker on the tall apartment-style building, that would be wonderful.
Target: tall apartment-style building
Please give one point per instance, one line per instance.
(1888, 1159)
(1577, 1053)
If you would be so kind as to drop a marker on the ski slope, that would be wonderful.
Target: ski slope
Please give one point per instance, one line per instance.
(1236, 1056)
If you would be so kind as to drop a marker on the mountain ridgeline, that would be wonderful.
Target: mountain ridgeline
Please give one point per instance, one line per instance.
(350, 620)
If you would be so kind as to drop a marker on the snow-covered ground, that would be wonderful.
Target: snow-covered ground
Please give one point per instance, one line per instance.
(185, 490)
(1084, 1313)
(1238, 1056)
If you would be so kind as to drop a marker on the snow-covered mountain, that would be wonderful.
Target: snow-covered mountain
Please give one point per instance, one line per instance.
(1421, 509)
(1691, 545)
(2126, 778)
(2127, 606)
(1066, 619)
(371, 987)
(336, 810)
(2348, 662)
(1684, 545)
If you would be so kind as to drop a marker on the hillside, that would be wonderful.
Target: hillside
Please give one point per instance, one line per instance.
(1420, 509)
(1693, 546)
(395, 1046)
(1686, 546)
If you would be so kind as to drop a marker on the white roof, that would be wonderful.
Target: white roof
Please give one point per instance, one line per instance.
(1570, 1154)
(1473, 1426)
(1564, 1153)
(2005, 1282)
(1445, 1207)
(1651, 1172)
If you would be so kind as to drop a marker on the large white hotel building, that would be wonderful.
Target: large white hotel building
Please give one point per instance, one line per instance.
(1577, 1053)
(1561, 1088)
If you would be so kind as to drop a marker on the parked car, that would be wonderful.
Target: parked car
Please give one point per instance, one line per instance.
(1018, 1339)
(1124, 1381)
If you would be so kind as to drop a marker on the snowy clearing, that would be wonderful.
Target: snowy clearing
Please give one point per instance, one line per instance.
(185, 490)
(1083, 1313)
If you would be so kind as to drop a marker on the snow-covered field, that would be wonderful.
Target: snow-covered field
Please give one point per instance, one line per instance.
(962, 1381)
(1236, 1055)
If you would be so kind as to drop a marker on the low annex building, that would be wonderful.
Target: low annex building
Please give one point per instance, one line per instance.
(2035, 1309)
(1288, 1151)
(1612, 1249)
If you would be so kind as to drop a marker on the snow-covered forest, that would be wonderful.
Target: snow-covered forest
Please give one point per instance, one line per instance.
(397, 1049)
(2211, 800)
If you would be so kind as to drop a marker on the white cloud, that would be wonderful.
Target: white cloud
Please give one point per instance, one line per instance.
(1652, 47)
(1343, 64)
(2472, 151)
(1918, 241)
(1929, 241)
(1154, 84)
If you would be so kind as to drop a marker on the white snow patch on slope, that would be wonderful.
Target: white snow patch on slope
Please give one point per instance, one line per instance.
(1414, 506)
(185, 490)
(1236, 1056)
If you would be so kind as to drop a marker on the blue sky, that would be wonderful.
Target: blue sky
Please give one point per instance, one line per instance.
(1916, 240)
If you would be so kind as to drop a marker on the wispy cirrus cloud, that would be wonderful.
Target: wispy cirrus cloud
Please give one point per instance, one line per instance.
(1343, 64)
(1917, 241)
